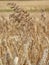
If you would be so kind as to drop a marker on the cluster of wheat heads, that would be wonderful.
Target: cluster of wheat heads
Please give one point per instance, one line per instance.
(23, 40)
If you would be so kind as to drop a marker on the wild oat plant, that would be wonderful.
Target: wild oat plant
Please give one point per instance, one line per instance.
(23, 40)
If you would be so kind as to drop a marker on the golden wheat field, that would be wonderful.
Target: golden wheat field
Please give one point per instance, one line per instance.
(24, 32)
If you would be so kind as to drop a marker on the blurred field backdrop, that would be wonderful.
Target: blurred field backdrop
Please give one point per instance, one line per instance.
(34, 7)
